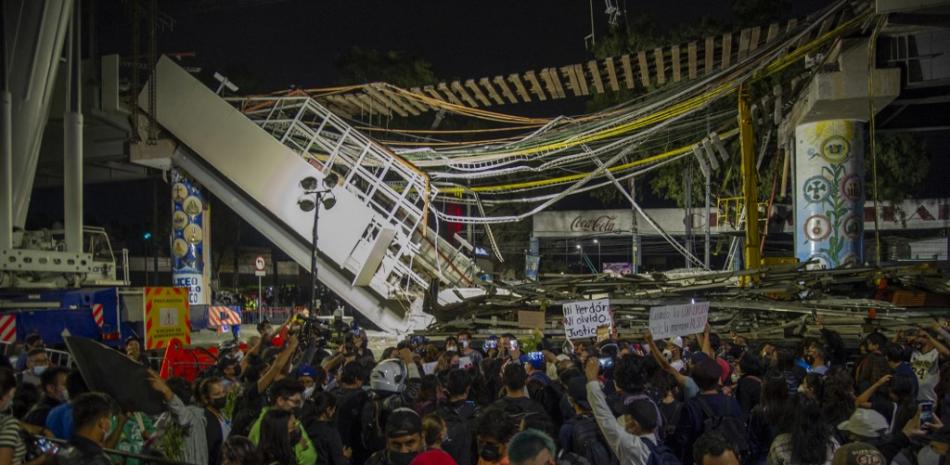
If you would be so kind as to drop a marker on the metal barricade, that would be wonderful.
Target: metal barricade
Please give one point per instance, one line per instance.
(59, 358)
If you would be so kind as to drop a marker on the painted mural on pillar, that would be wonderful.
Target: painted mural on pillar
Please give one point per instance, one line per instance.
(829, 199)
(188, 207)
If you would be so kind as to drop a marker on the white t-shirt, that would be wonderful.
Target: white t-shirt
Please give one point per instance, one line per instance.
(927, 368)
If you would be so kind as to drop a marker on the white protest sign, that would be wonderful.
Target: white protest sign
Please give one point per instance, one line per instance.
(678, 320)
(582, 318)
(429, 368)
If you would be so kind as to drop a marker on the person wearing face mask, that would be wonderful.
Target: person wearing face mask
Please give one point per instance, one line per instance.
(674, 353)
(403, 439)
(312, 380)
(12, 447)
(92, 413)
(53, 386)
(37, 361)
(279, 435)
(466, 350)
(33, 341)
(192, 417)
(287, 395)
(212, 396)
(323, 429)
(494, 427)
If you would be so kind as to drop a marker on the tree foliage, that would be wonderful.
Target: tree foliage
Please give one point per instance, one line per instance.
(902, 167)
(403, 69)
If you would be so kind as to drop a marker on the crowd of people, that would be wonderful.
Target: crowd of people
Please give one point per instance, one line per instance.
(701, 399)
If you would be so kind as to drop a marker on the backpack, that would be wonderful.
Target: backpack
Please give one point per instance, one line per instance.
(460, 439)
(588, 442)
(660, 454)
(730, 427)
(549, 397)
(373, 420)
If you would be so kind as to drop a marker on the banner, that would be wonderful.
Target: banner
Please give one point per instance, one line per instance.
(678, 320)
(99, 365)
(530, 320)
(582, 318)
(166, 316)
(531, 265)
(188, 239)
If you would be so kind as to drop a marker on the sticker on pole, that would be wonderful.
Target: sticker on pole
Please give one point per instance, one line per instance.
(166, 316)
(678, 320)
(260, 266)
(582, 318)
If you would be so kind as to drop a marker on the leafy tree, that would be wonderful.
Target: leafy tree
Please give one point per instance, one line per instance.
(403, 69)
(902, 167)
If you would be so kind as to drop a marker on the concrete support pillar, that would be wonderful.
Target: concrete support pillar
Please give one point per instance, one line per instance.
(72, 141)
(6, 170)
(829, 192)
(829, 126)
(188, 239)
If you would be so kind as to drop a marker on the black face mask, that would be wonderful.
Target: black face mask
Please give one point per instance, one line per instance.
(490, 452)
(295, 437)
(219, 403)
(401, 458)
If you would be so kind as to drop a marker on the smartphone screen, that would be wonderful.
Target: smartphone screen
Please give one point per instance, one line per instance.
(926, 413)
(47, 446)
(606, 363)
(514, 344)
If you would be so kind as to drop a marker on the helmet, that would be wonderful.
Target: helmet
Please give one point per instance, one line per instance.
(389, 375)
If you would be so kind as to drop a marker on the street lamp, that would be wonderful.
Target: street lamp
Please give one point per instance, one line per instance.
(312, 199)
(600, 264)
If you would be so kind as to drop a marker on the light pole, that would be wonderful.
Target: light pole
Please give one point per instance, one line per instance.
(600, 264)
(311, 199)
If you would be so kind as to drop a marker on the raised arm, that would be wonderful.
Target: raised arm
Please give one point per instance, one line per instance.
(706, 346)
(864, 400)
(268, 377)
(661, 360)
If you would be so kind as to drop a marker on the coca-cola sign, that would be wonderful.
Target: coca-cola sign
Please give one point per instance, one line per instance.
(594, 224)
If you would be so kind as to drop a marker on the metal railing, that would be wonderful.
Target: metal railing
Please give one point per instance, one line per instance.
(396, 191)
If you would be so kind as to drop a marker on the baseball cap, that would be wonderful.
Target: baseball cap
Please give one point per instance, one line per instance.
(858, 453)
(536, 360)
(577, 389)
(306, 370)
(866, 423)
(644, 412)
(403, 422)
(677, 341)
(433, 457)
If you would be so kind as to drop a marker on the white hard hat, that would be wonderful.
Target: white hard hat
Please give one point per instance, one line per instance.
(389, 375)
(677, 341)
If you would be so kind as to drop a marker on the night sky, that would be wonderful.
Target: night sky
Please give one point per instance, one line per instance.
(296, 43)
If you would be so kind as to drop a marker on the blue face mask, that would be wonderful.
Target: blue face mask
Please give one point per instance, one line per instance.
(39, 370)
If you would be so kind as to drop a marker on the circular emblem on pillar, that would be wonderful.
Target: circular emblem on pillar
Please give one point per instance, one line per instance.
(819, 261)
(835, 149)
(179, 192)
(193, 233)
(816, 189)
(852, 227)
(192, 205)
(179, 220)
(851, 188)
(817, 227)
(180, 247)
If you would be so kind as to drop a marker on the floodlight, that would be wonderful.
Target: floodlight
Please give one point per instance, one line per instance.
(308, 184)
(306, 204)
(331, 180)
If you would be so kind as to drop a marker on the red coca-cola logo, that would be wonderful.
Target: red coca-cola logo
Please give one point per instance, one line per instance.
(597, 224)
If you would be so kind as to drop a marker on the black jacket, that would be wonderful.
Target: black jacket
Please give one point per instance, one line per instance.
(326, 439)
(82, 451)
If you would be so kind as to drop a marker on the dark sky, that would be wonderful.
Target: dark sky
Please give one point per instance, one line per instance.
(284, 43)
